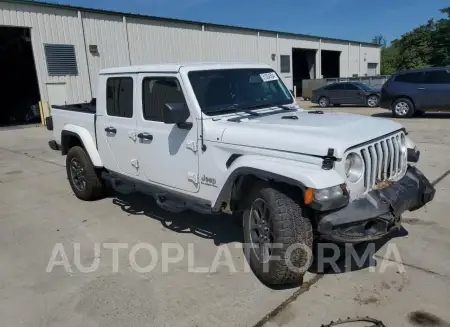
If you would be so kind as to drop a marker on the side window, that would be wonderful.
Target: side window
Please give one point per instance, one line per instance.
(156, 92)
(351, 87)
(335, 87)
(437, 77)
(409, 78)
(119, 97)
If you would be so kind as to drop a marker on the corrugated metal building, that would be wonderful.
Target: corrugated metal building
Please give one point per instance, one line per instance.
(105, 39)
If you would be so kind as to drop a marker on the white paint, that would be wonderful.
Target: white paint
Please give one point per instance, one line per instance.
(290, 148)
(267, 77)
(85, 135)
(57, 93)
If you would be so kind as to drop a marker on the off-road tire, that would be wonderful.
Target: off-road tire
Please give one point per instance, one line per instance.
(94, 184)
(290, 227)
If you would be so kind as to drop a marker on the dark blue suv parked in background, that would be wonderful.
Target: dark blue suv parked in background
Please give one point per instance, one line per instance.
(414, 91)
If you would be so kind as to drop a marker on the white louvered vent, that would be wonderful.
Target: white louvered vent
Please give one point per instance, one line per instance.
(61, 59)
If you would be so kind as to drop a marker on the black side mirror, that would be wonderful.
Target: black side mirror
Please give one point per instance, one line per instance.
(176, 113)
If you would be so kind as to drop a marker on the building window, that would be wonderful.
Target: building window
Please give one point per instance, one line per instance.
(156, 92)
(61, 59)
(285, 64)
(119, 97)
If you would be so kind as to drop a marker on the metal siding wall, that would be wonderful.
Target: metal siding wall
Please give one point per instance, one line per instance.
(51, 25)
(153, 41)
(268, 46)
(222, 44)
(286, 43)
(354, 59)
(108, 33)
(373, 55)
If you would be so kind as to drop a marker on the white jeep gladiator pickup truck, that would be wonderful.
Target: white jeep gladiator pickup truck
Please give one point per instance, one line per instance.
(230, 137)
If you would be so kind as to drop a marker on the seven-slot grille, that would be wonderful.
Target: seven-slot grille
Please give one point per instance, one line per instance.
(383, 160)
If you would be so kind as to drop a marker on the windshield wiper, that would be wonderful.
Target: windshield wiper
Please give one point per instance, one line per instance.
(236, 109)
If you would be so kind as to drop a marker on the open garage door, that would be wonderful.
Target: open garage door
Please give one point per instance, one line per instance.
(18, 79)
(331, 64)
(303, 66)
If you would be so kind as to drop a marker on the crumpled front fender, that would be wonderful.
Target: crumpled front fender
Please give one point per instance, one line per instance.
(291, 172)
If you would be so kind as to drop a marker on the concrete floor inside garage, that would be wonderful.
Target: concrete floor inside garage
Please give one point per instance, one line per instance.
(39, 210)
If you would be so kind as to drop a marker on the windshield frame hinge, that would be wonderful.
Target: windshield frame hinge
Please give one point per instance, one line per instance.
(328, 160)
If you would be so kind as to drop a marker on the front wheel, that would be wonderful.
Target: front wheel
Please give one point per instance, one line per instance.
(278, 238)
(85, 181)
(372, 101)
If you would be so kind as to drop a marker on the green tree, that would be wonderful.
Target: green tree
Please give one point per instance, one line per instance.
(389, 58)
(415, 48)
(388, 54)
(380, 40)
(441, 41)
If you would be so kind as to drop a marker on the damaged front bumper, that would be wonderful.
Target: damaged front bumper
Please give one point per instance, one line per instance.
(378, 213)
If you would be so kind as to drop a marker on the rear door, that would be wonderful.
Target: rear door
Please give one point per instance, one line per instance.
(168, 153)
(437, 88)
(116, 130)
(336, 93)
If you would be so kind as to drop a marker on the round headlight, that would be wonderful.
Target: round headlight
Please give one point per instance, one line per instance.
(354, 167)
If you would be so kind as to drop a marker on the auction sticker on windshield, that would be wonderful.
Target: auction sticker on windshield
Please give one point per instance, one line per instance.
(267, 77)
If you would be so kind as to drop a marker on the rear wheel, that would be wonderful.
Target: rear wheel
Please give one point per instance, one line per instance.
(84, 179)
(278, 238)
(324, 102)
(402, 108)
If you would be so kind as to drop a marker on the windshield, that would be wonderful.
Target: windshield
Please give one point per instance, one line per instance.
(365, 87)
(219, 91)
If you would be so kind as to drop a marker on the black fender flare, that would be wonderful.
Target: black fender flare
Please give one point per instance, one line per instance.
(234, 182)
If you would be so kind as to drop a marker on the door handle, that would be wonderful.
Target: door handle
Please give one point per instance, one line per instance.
(145, 136)
(111, 130)
(421, 88)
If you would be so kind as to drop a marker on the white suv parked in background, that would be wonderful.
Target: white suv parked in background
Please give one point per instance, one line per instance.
(230, 137)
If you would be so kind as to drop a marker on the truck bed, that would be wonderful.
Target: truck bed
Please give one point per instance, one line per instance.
(80, 107)
(80, 114)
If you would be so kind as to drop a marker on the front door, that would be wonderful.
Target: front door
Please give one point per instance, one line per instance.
(353, 94)
(168, 153)
(116, 131)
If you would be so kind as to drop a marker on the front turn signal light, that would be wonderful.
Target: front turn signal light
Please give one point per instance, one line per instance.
(308, 196)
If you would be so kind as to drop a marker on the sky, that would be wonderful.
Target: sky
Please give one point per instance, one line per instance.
(357, 20)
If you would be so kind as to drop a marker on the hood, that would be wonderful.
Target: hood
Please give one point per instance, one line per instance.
(310, 133)
(375, 89)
